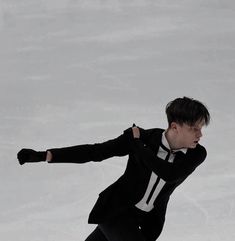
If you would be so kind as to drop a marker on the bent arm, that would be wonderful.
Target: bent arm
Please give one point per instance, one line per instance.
(169, 172)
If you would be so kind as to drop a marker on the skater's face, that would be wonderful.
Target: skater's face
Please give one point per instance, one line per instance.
(188, 136)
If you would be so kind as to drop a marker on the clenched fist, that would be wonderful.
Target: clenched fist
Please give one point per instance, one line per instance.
(30, 155)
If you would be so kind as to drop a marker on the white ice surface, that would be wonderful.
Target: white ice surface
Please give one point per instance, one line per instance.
(81, 71)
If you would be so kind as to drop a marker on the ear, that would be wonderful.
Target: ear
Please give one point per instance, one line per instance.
(174, 126)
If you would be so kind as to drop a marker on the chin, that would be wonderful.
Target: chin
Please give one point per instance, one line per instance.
(193, 145)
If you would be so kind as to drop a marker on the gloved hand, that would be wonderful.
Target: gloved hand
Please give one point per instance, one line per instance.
(29, 155)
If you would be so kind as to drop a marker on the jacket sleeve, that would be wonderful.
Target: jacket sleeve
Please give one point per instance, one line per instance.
(92, 152)
(182, 166)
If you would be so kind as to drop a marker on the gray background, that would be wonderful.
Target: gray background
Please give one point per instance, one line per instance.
(74, 72)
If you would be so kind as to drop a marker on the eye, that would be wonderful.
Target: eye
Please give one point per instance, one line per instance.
(194, 129)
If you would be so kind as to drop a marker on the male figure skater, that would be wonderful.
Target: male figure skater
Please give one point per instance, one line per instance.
(133, 208)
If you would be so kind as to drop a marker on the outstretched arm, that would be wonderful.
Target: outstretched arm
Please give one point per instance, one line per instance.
(90, 152)
(119, 146)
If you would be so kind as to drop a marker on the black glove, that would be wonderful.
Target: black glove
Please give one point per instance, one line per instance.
(29, 155)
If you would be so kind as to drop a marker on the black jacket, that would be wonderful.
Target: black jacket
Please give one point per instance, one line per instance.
(130, 187)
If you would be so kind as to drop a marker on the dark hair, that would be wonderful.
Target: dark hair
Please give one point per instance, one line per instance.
(187, 110)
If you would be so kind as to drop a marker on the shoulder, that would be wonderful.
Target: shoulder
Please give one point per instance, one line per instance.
(198, 153)
(150, 132)
(152, 135)
(145, 134)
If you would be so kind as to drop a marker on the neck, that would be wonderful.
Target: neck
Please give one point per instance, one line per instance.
(172, 140)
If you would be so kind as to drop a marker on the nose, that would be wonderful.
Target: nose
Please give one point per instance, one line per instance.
(199, 133)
